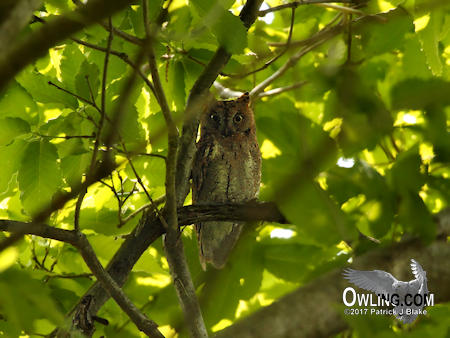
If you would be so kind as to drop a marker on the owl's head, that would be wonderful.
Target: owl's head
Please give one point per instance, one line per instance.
(229, 118)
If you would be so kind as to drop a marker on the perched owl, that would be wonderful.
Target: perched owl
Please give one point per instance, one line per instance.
(227, 168)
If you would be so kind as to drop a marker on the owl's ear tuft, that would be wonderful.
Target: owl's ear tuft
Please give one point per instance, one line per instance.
(244, 98)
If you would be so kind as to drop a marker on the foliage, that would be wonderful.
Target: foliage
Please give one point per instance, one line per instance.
(362, 147)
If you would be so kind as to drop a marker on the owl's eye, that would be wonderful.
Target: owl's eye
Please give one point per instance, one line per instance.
(215, 117)
(238, 117)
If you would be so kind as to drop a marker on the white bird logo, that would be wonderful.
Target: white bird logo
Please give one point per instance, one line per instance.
(408, 304)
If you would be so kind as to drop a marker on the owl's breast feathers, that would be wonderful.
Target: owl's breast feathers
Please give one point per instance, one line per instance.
(225, 170)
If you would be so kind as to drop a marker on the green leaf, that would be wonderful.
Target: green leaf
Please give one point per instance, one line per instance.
(16, 102)
(10, 128)
(37, 85)
(88, 75)
(405, 175)
(318, 219)
(177, 85)
(39, 175)
(414, 61)
(21, 307)
(365, 117)
(429, 37)
(420, 94)
(8, 169)
(73, 167)
(71, 61)
(379, 37)
(228, 28)
(415, 217)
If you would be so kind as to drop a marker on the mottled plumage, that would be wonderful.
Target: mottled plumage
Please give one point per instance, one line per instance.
(227, 168)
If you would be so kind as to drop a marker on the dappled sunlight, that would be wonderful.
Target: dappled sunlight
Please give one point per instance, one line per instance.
(269, 150)
(352, 110)
(421, 23)
(345, 162)
(282, 233)
(8, 257)
(221, 325)
(411, 117)
(156, 279)
(385, 5)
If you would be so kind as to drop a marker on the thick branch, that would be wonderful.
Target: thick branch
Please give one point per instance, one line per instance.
(18, 17)
(106, 281)
(37, 43)
(144, 324)
(173, 245)
(41, 230)
(150, 229)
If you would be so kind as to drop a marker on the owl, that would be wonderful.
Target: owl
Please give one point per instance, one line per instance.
(226, 168)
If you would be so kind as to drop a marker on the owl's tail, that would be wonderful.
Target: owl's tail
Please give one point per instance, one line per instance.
(216, 241)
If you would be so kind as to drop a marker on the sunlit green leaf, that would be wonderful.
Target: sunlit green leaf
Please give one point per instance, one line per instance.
(39, 175)
(39, 87)
(11, 128)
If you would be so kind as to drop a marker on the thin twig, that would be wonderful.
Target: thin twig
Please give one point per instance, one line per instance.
(87, 275)
(289, 63)
(173, 245)
(226, 93)
(349, 40)
(69, 92)
(394, 144)
(132, 154)
(306, 42)
(268, 63)
(123, 56)
(295, 4)
(280, 90)
(343, 9)
(155, 202)
(386, 151)
(66, 137)
(93, 162)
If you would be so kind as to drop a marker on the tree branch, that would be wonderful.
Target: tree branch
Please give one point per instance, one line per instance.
(41, 230)
(173, 245)
(101, 171)
(277, 91)
(295, 4)
(93, 163)
(123, 56)
(18, 17)
(149, 327)
(37, 43)
(148, 230)
(292, 61)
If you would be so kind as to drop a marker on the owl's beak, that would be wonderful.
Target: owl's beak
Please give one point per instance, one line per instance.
(226, 133)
